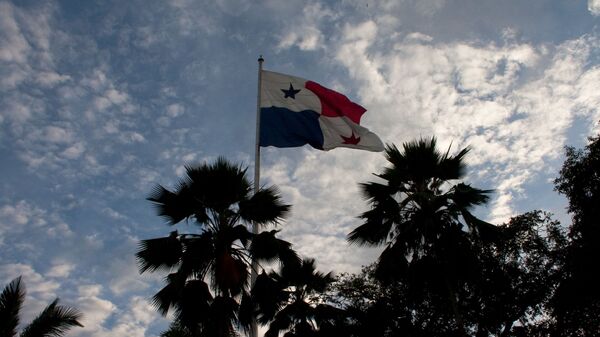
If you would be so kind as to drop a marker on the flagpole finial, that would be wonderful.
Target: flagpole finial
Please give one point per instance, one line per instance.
(261, 59)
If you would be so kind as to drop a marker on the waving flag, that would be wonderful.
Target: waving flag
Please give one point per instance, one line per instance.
(295, 112)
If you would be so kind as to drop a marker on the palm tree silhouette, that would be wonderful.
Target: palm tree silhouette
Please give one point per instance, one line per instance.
(291, 301)
(209, 270)
(55, 320)
(421, 217)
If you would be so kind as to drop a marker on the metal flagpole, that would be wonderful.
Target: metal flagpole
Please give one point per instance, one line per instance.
(253, 274)
(257, 146)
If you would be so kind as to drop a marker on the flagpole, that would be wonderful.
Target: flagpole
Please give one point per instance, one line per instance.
(253, 274)
(257, 144)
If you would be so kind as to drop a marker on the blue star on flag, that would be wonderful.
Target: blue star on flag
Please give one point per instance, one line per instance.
(291, 92)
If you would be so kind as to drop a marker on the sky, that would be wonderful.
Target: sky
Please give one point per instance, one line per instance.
(102, 100)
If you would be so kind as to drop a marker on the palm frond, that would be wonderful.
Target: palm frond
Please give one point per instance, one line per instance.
(53, 321)
(242, 234)
(192, 308)
(11, 301)
(218, 185)
(376, 192)
(222, 317)
(176, 329)
(264, 207)
(376, 228)
(464, 196)
(305, 275)
(198, 254)
(266, 247)
(392, 264)
(453, 167)
(268, 297)
(159, 253)
(230, 273)
(169, 295)
(484, 230)
(177, 205)
(247, 312)
(282, 321)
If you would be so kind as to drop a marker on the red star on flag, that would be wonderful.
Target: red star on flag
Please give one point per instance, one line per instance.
(351, 140)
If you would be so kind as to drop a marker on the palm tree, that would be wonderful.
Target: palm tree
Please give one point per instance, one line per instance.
(176, 330)
(423, 220)
(291, 301)
(53, 321)
(207, 284)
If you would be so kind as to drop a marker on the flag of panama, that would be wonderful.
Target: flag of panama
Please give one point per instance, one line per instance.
(295, 112)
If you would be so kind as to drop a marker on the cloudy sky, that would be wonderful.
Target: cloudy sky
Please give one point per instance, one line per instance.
(101, 100)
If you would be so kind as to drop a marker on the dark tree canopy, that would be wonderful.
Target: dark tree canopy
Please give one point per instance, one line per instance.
(443, 272)
(290, 301)
(577, 301)
(209, 270)
(516, 277)
(421, 214)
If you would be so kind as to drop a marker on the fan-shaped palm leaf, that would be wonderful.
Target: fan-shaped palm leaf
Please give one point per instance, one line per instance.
(264, 207)
(53, 321)
(11, 301)
(285, 299)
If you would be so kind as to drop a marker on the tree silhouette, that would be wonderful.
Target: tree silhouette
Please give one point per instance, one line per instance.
(576, 305)
(176, 330)
(517, 274)
(419, 216)
(209, 270)
(54, 321)
(373, 308)
(291, 301)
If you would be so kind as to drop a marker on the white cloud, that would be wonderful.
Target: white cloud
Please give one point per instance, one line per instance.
(13, 44)
(131, 137)
(594, 7)
(113, 214)
(309, 39)
(35, 283)
(133, 320)
(24, 44)
(116, 96)
(103, 318)
(325, 198)
(175, 110)
(16, 218)
(234, 7)
(512, 103)
(96, 81)
(17, 112)
(484, 95)
(97, 310)
(126, 277)
(310, 36)
(40, 291)
(49, 79)
(54, 134)
(13, 75)
(23, 216)
(74, 151)
(429, 7)
(60, 270)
